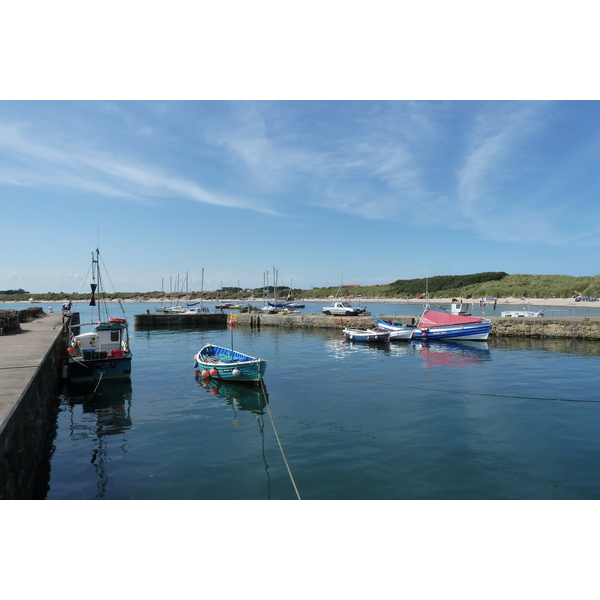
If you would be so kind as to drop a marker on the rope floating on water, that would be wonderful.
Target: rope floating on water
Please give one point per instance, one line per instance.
(428, 389)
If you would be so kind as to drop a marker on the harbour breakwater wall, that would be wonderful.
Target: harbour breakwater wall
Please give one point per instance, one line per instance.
(538, 327)
(28, 395)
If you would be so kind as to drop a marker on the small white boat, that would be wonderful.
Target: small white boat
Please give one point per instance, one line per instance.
(367, 335)
(398, 331)
(522, 313)
(196, 310)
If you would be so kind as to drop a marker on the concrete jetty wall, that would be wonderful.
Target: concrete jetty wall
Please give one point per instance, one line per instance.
(155, 320)
(29, 377)
(547, 327)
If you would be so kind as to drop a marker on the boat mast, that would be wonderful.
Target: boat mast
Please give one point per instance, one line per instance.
(95, 284)
(266, 290)
(202, 288)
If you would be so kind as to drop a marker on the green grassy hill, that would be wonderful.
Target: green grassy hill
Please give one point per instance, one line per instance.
(488, 284)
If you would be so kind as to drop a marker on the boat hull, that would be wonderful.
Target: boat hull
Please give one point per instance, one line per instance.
(476, 332)
(401, 334)
(89, 370)
(398, 331)
(368, 335)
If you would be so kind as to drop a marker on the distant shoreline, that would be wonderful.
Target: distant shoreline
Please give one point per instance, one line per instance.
(324, 301)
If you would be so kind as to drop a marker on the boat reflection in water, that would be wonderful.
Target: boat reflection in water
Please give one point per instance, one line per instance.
(110, 401)
(343, 348)
(238, 395)
(453, 354)
(244, 397)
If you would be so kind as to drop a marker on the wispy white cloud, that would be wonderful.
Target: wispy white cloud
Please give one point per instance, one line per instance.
(366, 168)
(60, 164)
(491, 196)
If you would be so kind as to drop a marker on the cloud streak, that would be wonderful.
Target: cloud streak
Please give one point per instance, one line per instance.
(464, 166)
(58, 164)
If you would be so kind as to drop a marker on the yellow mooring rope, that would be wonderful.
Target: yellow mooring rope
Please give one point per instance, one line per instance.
(280, 446)
(99, 380)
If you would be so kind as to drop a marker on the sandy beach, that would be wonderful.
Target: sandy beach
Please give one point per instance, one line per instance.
(506, 300)
(509, 300)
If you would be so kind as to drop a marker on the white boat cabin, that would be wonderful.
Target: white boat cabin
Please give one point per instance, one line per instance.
(106, 337)
(460, 308)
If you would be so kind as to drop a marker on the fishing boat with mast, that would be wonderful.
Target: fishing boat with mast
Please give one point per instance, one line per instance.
(103, 352)
(436, 325)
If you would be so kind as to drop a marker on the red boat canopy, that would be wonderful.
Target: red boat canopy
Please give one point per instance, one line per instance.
(433, 318)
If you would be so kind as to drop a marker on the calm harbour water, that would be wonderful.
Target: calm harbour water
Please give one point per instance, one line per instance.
(506, 419)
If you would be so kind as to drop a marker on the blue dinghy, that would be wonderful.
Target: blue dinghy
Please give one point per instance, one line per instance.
(225, 363)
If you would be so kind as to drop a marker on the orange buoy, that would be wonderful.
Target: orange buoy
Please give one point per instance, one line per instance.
(214, 372)
(205, 374)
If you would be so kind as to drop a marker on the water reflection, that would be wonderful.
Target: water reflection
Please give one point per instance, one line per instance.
(453, 354)
(341, 349)
(253, 398)
(563, 345)
(110, 403)
(242, 397)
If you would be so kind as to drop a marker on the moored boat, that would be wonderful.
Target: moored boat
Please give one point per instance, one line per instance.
(367, 335)
(226, 363)
(435, 325)
(103, 352)
(398, 331)
(197, 310)
(522, 313)
(223, 306)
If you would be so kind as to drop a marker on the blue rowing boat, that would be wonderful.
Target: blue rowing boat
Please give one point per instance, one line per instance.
(228, 364)
(436, 325)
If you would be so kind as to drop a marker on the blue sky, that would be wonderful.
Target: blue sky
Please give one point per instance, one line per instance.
(364, 191)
